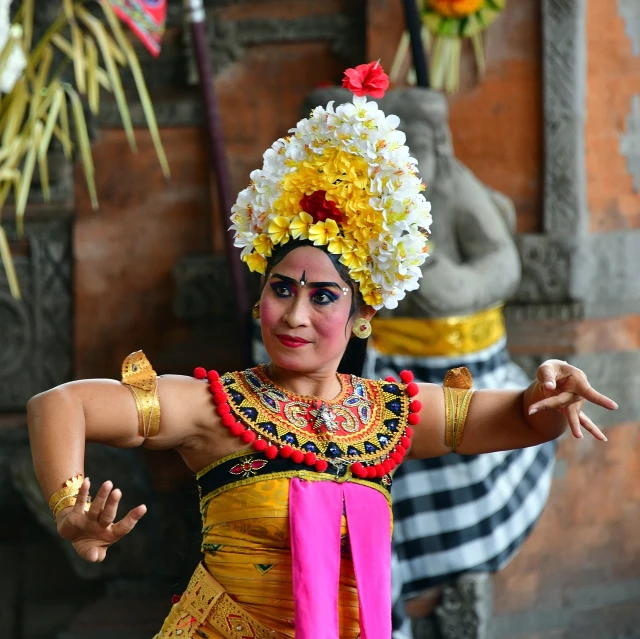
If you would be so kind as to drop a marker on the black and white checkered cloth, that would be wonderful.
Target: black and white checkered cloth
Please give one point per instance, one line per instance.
(462, 513)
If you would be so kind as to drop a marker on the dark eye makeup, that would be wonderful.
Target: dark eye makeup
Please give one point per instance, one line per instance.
(324, 296)
(281, 289)
(320, 296)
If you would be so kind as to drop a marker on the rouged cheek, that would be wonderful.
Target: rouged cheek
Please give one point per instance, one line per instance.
(269, 312)
(334, 330)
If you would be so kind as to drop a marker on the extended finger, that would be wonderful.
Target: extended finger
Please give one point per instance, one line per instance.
(99, 501)
(572, 413)
(592, 395)
(82, 497)
(557, 401)
(110, 509)
(588, 425)
(127, 523)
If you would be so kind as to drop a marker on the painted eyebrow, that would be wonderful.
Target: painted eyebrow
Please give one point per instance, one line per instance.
(291, 280)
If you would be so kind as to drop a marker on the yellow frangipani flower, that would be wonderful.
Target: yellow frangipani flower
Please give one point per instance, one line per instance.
(339, 245)
(360, 165)
(351, 259)
(256, 262)
(300, 226)
(263, 245)
(321, 232)
(279, 229)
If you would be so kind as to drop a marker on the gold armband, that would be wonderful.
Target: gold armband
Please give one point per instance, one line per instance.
(67, 496)
(457, 397)
(142, 381)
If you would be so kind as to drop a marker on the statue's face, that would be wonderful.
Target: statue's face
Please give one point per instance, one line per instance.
(421, 143)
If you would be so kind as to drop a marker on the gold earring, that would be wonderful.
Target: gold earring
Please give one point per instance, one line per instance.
(255, 311)
(361, 328)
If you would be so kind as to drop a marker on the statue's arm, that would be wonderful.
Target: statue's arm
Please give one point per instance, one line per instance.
(489, 270)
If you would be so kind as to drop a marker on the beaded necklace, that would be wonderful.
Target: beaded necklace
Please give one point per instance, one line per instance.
(367, 428)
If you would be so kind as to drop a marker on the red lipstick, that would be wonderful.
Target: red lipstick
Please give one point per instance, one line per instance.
(292, 342)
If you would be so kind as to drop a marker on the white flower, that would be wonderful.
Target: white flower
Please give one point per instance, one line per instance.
(16, 62)
(401, 213)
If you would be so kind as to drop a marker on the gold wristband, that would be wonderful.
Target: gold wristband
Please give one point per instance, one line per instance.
(67, 496)
(457, 398)
(139, 376)
(70, 488)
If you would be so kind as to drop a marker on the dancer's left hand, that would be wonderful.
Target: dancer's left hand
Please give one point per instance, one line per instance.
(566, 388)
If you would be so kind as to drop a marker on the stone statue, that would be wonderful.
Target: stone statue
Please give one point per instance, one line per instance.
(457, 518)
(474, 262)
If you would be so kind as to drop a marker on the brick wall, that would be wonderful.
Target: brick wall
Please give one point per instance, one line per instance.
(496, 125)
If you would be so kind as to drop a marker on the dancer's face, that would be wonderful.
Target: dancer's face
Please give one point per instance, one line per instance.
(305, 312)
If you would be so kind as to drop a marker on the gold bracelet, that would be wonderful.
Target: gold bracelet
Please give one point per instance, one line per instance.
(67, 495)
(139, 376)
(457, 398)
(71, 487)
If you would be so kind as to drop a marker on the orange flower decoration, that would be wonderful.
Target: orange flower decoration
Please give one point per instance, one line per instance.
(456, 8)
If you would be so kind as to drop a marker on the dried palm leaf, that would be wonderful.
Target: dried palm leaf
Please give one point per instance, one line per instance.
(7, 263)
(35, 110)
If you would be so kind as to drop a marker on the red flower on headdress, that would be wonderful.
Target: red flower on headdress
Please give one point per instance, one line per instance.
(366, 79)
(319, 208)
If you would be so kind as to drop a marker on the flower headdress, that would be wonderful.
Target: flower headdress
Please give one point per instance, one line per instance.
(343, 179)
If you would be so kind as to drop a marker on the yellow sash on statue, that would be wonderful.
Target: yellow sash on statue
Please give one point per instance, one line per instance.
(440, 336)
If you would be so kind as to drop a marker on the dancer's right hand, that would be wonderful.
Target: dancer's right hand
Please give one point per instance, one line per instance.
(92, 532)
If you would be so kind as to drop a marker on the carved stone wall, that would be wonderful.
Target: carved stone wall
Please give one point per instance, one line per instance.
(36, 339)
(630, 141)
(554, 266)
(630, 11)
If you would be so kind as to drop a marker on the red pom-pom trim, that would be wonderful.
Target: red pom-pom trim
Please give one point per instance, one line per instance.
(396, 457)
(199, 373)
(413, 418)
(371, 472)
(260, 444)
(408, 431)
(386, 466)
(406, 377)
(219, 398)
(401, 450)
(248, 436)
(216, 387)
(415, 406)
(358, 470)
(297, 456)
(390, 379)
(310, 459)
(405, 441)
(412, 389)
(228, 420)
(380, 471)
(321, 465)
(271, 452)
(213, 376)
(223, 409)
(237, 429)
(286, 451)
(392, 464)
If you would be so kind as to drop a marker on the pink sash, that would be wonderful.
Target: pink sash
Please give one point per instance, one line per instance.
(315, 510)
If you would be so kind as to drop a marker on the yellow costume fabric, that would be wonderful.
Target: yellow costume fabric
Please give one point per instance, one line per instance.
(244, 587)
(247, 551)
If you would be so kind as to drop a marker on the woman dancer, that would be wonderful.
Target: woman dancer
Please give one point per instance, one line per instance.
(293, 460)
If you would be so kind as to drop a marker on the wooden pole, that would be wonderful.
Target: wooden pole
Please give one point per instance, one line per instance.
(414, 26)
(196, 16)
